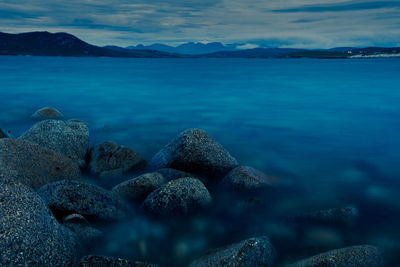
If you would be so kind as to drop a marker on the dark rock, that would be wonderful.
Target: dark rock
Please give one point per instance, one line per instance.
(172, 174)
(67, 138)
(178, 197)
(245, 178)
(33, 165)
(79, 225)
(195, 151)
(103, 261)
(109, 160)
(344, 216)
(29, 234)
(251, 252)
(67, 197)
(137, 189)
(47, 113)
(3, 134)
(360, 256)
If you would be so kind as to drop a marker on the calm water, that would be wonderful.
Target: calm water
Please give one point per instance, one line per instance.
(328, 127)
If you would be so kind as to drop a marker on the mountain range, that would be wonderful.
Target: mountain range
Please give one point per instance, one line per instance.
(64, 44)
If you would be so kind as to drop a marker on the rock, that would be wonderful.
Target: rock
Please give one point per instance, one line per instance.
(137, 189)
(67, 138)
(256, 251)
(172, 174)
(33, 165)
(3, 134)
(103, 261)
(67, 197)
(197, 152)
(47, 113)
(343, 216)
(245, 178)
(79, 225)
(108, 159)
(178, 197)
(29, 234)
(360, 256)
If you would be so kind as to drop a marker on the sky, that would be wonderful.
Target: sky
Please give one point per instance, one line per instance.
(252, 23)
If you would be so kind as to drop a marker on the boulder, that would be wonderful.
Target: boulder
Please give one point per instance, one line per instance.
(33, 165)
(47, 113)
(103, 261)
(29, 234)
(197, 152)
(251, 252)
(245, 178)
(67, 138)
(178, 197)
(67, 197)
(109, 160)
(81, 227)
(360, 256)
(137, 189)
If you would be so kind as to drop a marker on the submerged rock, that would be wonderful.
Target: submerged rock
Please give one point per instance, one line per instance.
(245, 178)
(195, 151)
(137, 189)
(67, 197)
(103, 261)
(344, 216)
(47, 113)
(360, 256)
(109, 160)
(79, 225)
(33, 165)
(67, 138)
(29, 234)
(251, 252)
(178, 197)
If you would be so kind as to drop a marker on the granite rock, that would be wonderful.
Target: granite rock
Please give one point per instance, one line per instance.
(29, 234)
(195, 151)
(104, 261)
(47, 113)
(33, 165)
(69, 138)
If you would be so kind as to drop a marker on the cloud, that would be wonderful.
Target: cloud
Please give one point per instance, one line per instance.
(247, 46)
(306, 23)
(345, 6)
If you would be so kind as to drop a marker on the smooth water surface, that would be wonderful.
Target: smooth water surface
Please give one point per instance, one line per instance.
(330, 127)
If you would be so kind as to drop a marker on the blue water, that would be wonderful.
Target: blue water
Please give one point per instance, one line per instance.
(322, 125)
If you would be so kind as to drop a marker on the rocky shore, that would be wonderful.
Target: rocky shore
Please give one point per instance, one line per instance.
(59, 198)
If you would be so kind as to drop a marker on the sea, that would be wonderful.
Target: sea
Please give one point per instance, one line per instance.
(328, 129)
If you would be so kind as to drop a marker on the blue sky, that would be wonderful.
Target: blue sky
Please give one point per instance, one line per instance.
(283, 23)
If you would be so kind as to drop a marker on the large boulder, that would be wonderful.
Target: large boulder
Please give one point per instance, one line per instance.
(67, 197)
(29, 234)
(104, 261)
(47, 113)
(172, 174)
(33, 165)
(245, 178)
(178, 197)
(108, 158)
(197, 152)
(69, 138)
(360, 256)
(251, 252)
(137, 189)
